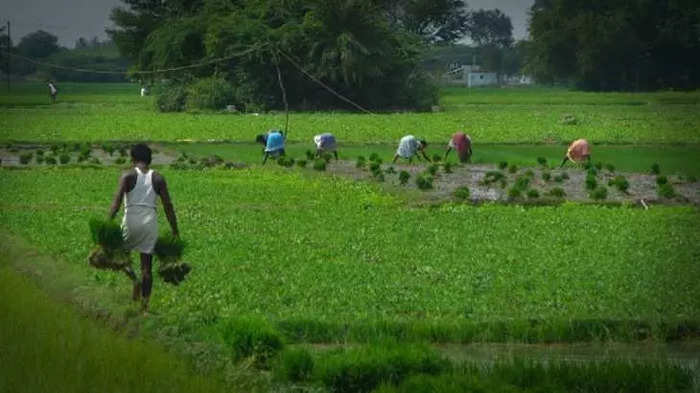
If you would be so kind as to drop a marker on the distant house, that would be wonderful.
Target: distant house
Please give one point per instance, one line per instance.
(475, 79)
(474, 76)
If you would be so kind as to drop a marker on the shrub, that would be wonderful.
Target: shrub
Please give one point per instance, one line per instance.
(64, 158)
(295, 365)
(320, 164)
(502, 165)
(532, 193)
(360, 163)
(620, 182)
(447, 167)
(557, 192)
(251, 337)
(514, 192)
(546, 176)
(666, 190)
(591, 182)
(660, 180)
(437, 158)
(301, 163)
(424, 181)
(599, 193)
(209, 93)
(542, 161)
(50, 160)
(106, 233)
(404, 177)
(172, 98)
(462, 193)
(433, 169)
(610, 167)
(512, 168)
(655, 168)
(25, 158)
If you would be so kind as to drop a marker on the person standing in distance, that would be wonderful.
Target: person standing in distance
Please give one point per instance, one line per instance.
(52, 91)
(139, 188)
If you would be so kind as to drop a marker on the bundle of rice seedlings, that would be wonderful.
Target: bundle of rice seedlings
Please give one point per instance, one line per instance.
(169, 250)
(310, 155)
(64, 158)
(462, 193)
(109, 252)
(25, 158)
(403, 177)
(437, 158)
(320, 164)
(447, 167)
(360, 162)
(620, 182)
(542, 161)
(424, 181)
(512, 168)
(374, 157)
(502, 165)
(390, 170)
(432, 169)
(301, 163)
(557, 192)
(599, 193)
(655, 168)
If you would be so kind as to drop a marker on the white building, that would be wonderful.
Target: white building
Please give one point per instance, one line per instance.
(475, 79)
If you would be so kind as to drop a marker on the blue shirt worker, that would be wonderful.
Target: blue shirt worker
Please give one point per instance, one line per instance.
(273, 142)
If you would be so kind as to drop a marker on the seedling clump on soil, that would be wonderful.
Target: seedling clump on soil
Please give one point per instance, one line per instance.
(447, 167)
(360, 162)
(502, 165)
(492, 177)
(661, 180)
(39, 159)
(522, 183)
(285, 162)
(542, 161)
(512, 168)
(666, 190)
(374, 166)
(599, 166)
(25, 158)
(532, 193)
(591, 182)
(546, 176)
(404, 177)
(599, 193)
(390, 170)
(327, 157)
(39, 152)
(437, 158)
(432, 169)
(610, 167)
(620, 182)
(64, 158)
(50, 160)
(655, 168)
(320, 164)
(424, 181)
(514, 192)
(309, 155)
(462, 193)
(121, 160)
(529, 173)
(374, 157)
(301, 163)
(565, 176)
(557, 192)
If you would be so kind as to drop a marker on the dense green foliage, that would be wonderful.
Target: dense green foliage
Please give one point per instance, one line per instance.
(616, 45)
(332, 284)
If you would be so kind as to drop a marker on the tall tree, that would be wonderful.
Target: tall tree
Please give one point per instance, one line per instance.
(437, 21)
(490, 28)
(5, 48)
(38, 44)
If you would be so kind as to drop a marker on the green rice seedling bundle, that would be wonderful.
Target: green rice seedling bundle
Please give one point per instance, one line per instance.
(620, 182)
(610, 167)
(522, 183)
(122, 151)
(25, 158)
(569, 120)
(95, 161)
(502, 165)
(120, 161)
(109, 252)
(437, 158)
(542, 161)
(424, 181)
(169, 251)
(598, 165)
(529, 173)
(64, 158)
(462, 193)
(361, 162)
(660, 180)
(310, 155)
(54, 148)
(512, 168)
(320, 164)
(557, 192)
(591, 182)
(390, 170)
(433, 169)
(599, 193)
(14, 149)
(51, 160)
(533, 194)
(374, 157)
(39, 152)
(286, 162)
(301, 163)
(108, 148)
(565, 176)
(447, 167)
(404, 177)
(374, 166)
(655, 168)
(514, 192)
(666, 190)
(212, 161)
(327, 157)
(546, 176)
(39, 159)
(492, 177)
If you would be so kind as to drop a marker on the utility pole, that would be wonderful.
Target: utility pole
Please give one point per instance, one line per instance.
(9, 49)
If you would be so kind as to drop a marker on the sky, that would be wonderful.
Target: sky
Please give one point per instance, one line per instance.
(72, 19)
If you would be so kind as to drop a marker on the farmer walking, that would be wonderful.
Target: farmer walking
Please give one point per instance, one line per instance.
(326, 143)
(579, 151)
(52, 91)
(273, 142)
(462, 144)
(139, 188)
(410, 146)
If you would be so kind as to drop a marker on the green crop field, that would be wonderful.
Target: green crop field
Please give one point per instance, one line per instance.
(343, 285)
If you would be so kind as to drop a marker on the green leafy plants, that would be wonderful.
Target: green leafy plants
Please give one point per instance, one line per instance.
(660, 180)
(25, 158)
(512, 168)
(565, 176)
(557, 192)
(51, 160)
(598, 165)
(39, 152)
(310, 155)
(360, 163)
(533, 194)
(461, 193)
(529, 173)
(591, 182)
(546, 176)
(514, 192)
(655, 168)
(252, 337)
(375, 166)
(610, 167)
(64, 158)
(666, 190)
(121, 161)
(433, 169)
(522, 183)
(447, 167)
(404, 177)
(286, 162)
(320, 164)
(620, 182)
(492, 177)
(542, 161)
(502, 165)
(40, 159)
(106, 233)
(301, 163)
(424, 181)
(599, 193)
(108, 148)
(390, 170)
(169, 248)
(327, 157)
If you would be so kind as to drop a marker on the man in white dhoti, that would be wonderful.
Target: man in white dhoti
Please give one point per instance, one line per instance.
(139, 188)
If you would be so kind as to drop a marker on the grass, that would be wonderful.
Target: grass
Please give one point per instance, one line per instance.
(561, 289)
(48, 346)
(105, 112)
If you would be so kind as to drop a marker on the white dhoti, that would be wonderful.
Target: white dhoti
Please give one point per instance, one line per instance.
(140, 229)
